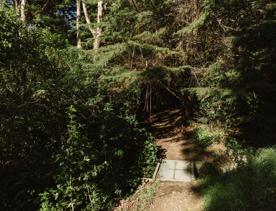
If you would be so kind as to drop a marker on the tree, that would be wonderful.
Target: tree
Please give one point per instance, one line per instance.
(15, 6)
(87, 18)
(78, 16)
(134, 4)
(22, 10)
(98, 33)
(2, 4)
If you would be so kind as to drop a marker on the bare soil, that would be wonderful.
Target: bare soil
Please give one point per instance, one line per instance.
(174, 196)
(173, 139)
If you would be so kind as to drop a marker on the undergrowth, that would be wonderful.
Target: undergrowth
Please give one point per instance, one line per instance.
(204, 135)
(141, 200)
(250, 186)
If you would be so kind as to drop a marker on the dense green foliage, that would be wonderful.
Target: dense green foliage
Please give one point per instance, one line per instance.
(70, 132)
(236, 87)
(251, 186)
(73, 157)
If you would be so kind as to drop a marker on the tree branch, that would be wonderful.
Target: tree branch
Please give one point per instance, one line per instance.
(93, 32)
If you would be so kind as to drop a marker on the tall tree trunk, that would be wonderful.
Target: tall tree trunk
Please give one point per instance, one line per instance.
(2, 4)
(23, 78)
(15, 6)
(93, 32)
(99, 29)
(22, 10)
(78, 23)
(134, 4)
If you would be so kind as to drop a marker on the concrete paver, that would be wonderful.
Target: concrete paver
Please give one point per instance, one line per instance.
(175, 170)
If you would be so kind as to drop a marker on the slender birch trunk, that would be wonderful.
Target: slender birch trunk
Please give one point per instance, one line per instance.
(98, 33)
(15, 7)
(84, 8)
(22, 10)
(23, 78)
(78, 23)
(2, 4)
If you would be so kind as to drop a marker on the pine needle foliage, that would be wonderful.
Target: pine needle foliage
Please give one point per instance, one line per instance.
(215, 59)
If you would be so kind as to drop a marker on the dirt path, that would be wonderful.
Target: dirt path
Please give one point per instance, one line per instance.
(176, 196)
(174, 139)
(168, 130)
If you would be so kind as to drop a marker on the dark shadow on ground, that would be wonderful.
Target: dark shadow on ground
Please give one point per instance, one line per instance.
(163, 124)
(251, 186)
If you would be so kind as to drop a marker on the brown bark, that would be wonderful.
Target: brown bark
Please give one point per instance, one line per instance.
(78, 23)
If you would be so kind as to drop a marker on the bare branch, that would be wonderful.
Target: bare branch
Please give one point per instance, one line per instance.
(96, 44)
(93, 32)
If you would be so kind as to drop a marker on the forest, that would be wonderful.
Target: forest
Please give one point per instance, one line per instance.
(80, 81)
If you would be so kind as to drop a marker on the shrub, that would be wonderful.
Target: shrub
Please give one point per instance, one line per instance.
(204, 135)
(251, 186)
(94, 171)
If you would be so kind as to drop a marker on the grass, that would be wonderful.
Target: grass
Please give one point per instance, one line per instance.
(141, 199)
(251, 186)
(204, 135)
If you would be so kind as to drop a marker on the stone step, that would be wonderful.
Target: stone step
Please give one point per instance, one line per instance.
(176, 170)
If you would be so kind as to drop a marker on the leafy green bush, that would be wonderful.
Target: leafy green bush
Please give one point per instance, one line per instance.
(142, 198)
(234, 86)
(87, 157)
(251, 186)
(204, 135)
(224, 54)
(76, 187)
(94, 171)
(32, 104)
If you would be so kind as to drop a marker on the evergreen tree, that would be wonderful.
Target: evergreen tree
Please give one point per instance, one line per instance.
(78, 79)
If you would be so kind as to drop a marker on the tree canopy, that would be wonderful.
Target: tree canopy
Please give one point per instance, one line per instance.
(79, 79)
